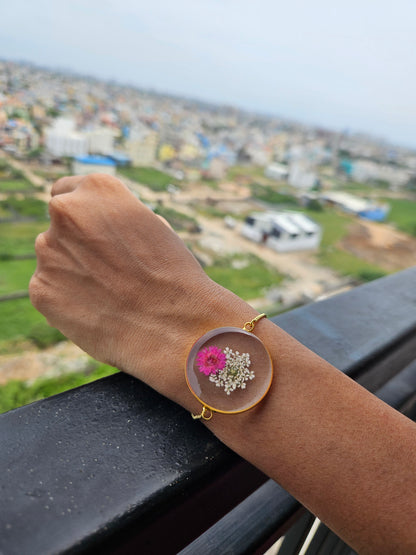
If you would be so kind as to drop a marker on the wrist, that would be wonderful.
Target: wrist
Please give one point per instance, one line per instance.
(205, 306)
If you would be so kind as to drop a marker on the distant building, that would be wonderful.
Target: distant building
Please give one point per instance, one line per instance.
(283, 231)
(166, 152)
(83, 165)
(17, 136)
(189, 152)
(367, 171)
(302, 175)
(141, 147)
(277, 171)
(61, 139)
(354, 205)
(101, 140)
(120, 158)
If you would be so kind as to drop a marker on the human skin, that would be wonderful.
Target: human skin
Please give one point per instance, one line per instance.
(121, 284)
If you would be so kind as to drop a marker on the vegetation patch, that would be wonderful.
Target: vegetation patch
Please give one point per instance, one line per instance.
(271, 196)
(9, 172)
(152, 178)
(17, 238)
(13, 185)
(334, 229)
(334, 225)
(43, 335)
(347, 264)
(16, 394)
(403, 214)
(17, 317)
(25, 208)
(211, 211)
(355, 187)
(15, 275)
(213, 183)
(178, 220)
(250, 281)
(253, 172)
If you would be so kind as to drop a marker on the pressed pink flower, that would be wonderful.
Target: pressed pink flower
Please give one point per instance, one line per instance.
(210, 360)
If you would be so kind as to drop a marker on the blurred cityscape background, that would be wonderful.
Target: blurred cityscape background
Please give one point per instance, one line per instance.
(278, 209)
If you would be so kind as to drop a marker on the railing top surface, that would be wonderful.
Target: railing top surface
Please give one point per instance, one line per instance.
(77, 464)
(349, 328)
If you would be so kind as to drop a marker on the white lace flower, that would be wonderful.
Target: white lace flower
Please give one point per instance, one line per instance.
(235, 373)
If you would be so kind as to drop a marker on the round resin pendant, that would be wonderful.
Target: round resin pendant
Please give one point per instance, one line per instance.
(229, 370)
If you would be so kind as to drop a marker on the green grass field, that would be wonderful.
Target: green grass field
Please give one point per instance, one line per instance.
(364, 188)
(245, 171)
(15, 275)
(11, 185)
(154, 179)
(15, 394)
(335, 227)
(17, 318)
(249, 282)
(178, 220)
(21, 326)
(347, 264)
(271, 196)
(19, 237)
(403, 214)
(28, 207)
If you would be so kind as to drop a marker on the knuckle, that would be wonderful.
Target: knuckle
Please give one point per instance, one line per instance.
(58, 184)
(36, 291)
(39, 295)
(41, 242)
(58, 205)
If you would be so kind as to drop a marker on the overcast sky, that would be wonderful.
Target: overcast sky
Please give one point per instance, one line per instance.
(346, 65)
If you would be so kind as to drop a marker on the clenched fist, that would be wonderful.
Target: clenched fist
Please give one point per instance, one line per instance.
(122, 285)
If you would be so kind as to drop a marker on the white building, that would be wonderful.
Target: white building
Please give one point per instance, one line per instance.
(368, 170)
(302, 175)
(276, 171)
(101, 140)
(62, 139)
(141, 146)
(354, 205)
(283, 231)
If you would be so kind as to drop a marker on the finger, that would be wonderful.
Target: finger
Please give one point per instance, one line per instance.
(66, 184)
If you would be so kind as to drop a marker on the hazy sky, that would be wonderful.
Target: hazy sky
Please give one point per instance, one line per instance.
(346, 65)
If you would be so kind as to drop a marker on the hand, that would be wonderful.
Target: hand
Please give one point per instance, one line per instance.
(122, 285)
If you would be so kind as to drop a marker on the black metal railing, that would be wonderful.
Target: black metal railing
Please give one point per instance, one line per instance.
(112, 467)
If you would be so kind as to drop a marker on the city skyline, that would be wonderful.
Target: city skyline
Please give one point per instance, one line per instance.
(344, 68)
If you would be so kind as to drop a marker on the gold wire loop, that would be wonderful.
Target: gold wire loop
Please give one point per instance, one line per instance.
(203, 414)
(249, 326)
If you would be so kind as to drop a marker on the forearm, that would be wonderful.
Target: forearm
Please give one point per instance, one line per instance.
(340, 451)
(344, 454)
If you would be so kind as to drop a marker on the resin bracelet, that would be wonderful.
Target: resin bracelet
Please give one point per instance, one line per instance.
(229, 370)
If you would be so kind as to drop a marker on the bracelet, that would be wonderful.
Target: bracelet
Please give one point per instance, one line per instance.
(229, 370)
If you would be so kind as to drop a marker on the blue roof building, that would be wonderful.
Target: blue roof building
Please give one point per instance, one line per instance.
(83, 165)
